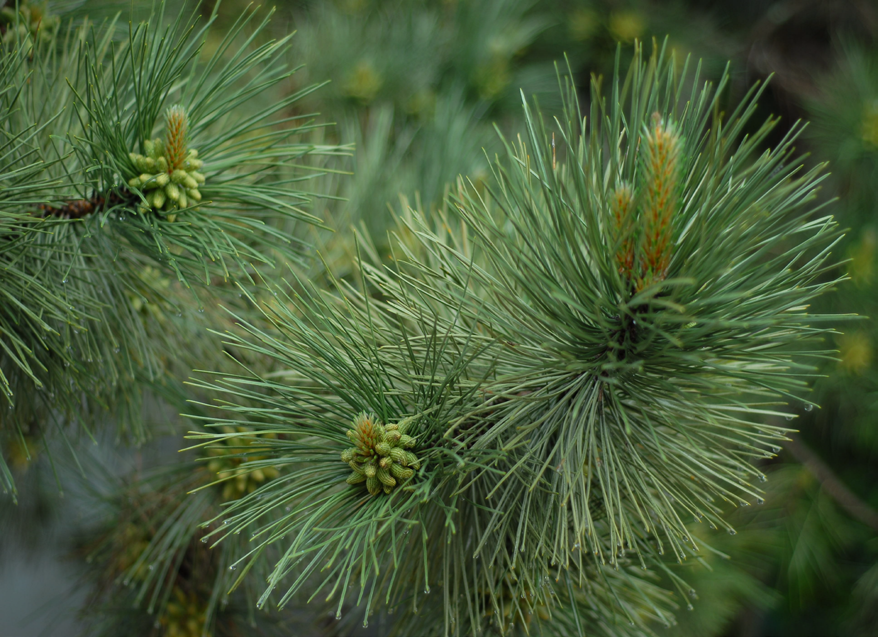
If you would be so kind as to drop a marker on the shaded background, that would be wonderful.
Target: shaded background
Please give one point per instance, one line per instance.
(418, 86)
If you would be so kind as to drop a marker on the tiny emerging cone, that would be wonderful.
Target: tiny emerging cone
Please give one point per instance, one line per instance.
(380, 458)
(169, 172)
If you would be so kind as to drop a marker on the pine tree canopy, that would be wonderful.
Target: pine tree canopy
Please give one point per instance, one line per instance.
(518, 421)
(134, 164)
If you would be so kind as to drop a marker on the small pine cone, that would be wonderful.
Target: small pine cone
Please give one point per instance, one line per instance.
(385, 478)
(388, 490)
(157, 199)
(400, 472)
(407, 441)
(412, 460)
(356, 478)
(370, 469)
(179, 176)
(373, 485)
(193, 194)
(392, 427)
(356, 467)
(399, 455)
(383, 449)
(385, 463)
(347, 455)
(173, 192)
(405, 423)
(392, 435)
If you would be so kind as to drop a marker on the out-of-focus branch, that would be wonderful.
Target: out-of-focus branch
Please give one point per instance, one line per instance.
(831, 483)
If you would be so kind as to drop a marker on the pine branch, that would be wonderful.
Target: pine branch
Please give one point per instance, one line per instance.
(586, 372)
(86, 245)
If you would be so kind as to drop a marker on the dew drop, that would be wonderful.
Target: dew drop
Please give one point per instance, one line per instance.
(789, 418)
(775, 449)
(232, 567)
(338, 615)
(201, 310)
(152, 567)
(365, 623)
(692, 593)
(690, 607)
(64, 281)
(762, 478)
(760, 501)
(179, 314)
(809, 407)
(204, 540)
(732, 532)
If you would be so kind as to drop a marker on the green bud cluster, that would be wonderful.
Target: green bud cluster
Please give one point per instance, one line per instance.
(380, 457)
(169, 173)
(167, 189)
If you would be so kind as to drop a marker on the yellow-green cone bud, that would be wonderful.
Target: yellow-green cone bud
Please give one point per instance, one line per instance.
(373, 485)
(412, 460)
(169, 166)
(382, 448)
(356, 478)
(385, 478)
(157, 199)
(380, 456)
(398, 471)
(406, 441)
